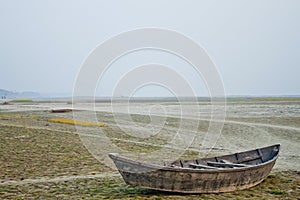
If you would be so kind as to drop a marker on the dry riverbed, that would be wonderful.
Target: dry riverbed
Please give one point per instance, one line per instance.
(42, 159)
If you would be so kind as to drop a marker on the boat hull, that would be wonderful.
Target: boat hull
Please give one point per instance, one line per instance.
(187, 180)
(194, 182)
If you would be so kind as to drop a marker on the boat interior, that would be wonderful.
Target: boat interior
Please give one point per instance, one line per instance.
(236, 160)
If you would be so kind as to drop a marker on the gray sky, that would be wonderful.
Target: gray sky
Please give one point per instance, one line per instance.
(255, 44)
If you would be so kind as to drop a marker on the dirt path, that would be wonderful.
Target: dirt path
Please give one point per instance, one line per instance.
(59, 179)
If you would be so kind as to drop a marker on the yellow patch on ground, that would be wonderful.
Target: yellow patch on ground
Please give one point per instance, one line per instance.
(75, 122)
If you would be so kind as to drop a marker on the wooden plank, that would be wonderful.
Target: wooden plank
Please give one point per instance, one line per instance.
(198, 166)
(226, 161)
(220, 164)
(236, 156)
(260, 155)
(254, 158)
(180, 163)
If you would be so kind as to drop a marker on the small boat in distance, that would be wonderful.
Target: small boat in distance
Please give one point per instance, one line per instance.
(206, 175)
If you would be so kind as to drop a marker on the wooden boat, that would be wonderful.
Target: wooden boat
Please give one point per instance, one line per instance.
(207, 175)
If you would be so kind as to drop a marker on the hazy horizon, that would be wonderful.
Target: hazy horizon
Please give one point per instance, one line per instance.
(37, 95)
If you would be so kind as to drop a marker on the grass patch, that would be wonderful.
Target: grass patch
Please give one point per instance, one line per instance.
(33, 153)
(17, 116)
(75, 122)
(115, 188)
(277, 192)
(23, 100)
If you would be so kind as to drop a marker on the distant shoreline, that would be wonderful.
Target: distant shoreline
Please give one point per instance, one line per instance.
(149, 99)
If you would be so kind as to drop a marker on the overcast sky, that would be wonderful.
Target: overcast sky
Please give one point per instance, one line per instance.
(255, 44)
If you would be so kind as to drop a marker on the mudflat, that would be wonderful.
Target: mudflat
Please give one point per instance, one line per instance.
(40, 158)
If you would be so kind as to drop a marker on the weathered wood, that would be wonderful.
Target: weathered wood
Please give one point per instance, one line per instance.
(260, 155)
(225, 161)
(221, 164)
(188, 177)
(198, 166)
(251, 159)
(181, 163)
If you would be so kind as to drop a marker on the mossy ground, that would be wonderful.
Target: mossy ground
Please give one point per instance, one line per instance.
(280, 185)
(31, 147)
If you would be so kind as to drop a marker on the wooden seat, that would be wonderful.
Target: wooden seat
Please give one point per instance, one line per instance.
(225, 164)
(198, 166)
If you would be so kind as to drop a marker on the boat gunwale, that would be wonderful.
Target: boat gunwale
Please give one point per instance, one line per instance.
(155, 167)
